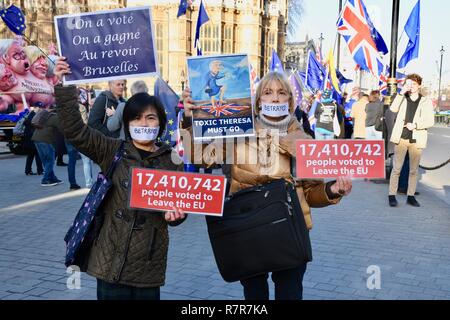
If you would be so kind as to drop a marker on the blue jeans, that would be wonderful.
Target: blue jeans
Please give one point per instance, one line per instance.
(72, 153)
(47, 154)
(288, 285)
(320, 135)
(87, 168)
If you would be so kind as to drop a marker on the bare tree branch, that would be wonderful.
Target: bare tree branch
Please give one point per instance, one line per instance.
(295, 12)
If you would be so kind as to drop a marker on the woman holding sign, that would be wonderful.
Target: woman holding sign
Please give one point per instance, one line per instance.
(276, 130)
(129, 254)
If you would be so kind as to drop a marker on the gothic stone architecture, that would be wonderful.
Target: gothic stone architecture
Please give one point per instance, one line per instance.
(235, 26)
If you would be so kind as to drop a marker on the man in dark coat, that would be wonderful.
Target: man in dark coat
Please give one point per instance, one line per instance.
(105, 106)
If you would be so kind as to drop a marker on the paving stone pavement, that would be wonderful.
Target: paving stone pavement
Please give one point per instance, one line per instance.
(410, 246)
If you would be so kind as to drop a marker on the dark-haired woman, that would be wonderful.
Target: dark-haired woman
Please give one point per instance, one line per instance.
(129, 255)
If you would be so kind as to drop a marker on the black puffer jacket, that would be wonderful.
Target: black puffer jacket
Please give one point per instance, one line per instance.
(97, 116)
(132, 246)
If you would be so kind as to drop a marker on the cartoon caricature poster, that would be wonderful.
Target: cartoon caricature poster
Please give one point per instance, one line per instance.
(221, 91)
(26, 76)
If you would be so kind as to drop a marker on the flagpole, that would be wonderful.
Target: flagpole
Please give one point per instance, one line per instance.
(338, 53)
(392, 82)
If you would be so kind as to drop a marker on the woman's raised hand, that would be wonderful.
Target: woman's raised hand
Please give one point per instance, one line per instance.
(61, 68)
(187, 102)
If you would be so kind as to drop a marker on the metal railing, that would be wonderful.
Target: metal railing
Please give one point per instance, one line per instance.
(442, 119)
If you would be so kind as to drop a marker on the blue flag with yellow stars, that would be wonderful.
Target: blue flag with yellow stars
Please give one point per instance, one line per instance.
(169, 99)
(182, 8)
(14, 19)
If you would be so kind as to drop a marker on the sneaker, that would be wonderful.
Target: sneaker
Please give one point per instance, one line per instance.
(48, 183)
(57, 181)
(31, 173)
(74, 187)
(392, 201)
(412, 201)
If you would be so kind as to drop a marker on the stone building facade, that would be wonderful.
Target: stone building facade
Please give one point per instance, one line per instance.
(235, 26)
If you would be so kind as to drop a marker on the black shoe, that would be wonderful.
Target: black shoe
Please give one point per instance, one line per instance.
(61, 164)
(31, 173)
(403, 192)
(74, 187)
(392, 201)
(40, 173)
(412, 201)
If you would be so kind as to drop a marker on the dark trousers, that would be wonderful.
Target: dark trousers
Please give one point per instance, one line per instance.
(72, 153)
(60, 146)
(32, 154)
(288, 285)
(404, 174)
(113, 291)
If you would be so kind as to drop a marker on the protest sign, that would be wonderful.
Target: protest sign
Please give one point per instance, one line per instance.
(319, 159)
(162, 190)
(221, 90)
(107, 45)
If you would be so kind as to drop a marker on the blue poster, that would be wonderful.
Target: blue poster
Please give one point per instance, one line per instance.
(221, 91)
(107, 45)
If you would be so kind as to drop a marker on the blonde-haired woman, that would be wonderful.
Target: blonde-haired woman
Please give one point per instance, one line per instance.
(276, 132)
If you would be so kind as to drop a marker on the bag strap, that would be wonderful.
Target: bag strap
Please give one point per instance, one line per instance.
(116, 159)
(105, 117)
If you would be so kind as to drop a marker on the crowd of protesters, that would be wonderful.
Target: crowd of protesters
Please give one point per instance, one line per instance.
(98, 126)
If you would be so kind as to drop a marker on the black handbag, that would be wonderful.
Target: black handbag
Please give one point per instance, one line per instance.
(262, 230)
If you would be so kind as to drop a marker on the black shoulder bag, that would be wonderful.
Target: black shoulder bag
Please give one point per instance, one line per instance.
(262, 230)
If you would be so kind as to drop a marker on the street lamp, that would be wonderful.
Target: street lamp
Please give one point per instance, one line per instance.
(321, 40)
(440, 78)
(183, 79)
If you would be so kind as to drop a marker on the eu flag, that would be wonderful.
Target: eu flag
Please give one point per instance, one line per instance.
(14, 19)
(182, 8)
(169, 99)
(315, 73)
(296, 89)
(275, 63)
(412, 29)
(202, 18)
(376, 36)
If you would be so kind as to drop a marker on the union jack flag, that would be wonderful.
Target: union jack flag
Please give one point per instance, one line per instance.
(319, 55)
(401, 77)
(353, 25)
(224, 110)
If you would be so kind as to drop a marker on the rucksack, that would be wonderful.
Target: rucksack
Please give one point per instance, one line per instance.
(40, 119)
(19, 128)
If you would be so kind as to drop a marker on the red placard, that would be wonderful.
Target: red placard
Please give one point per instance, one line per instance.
(335, 158)
(162, 190)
